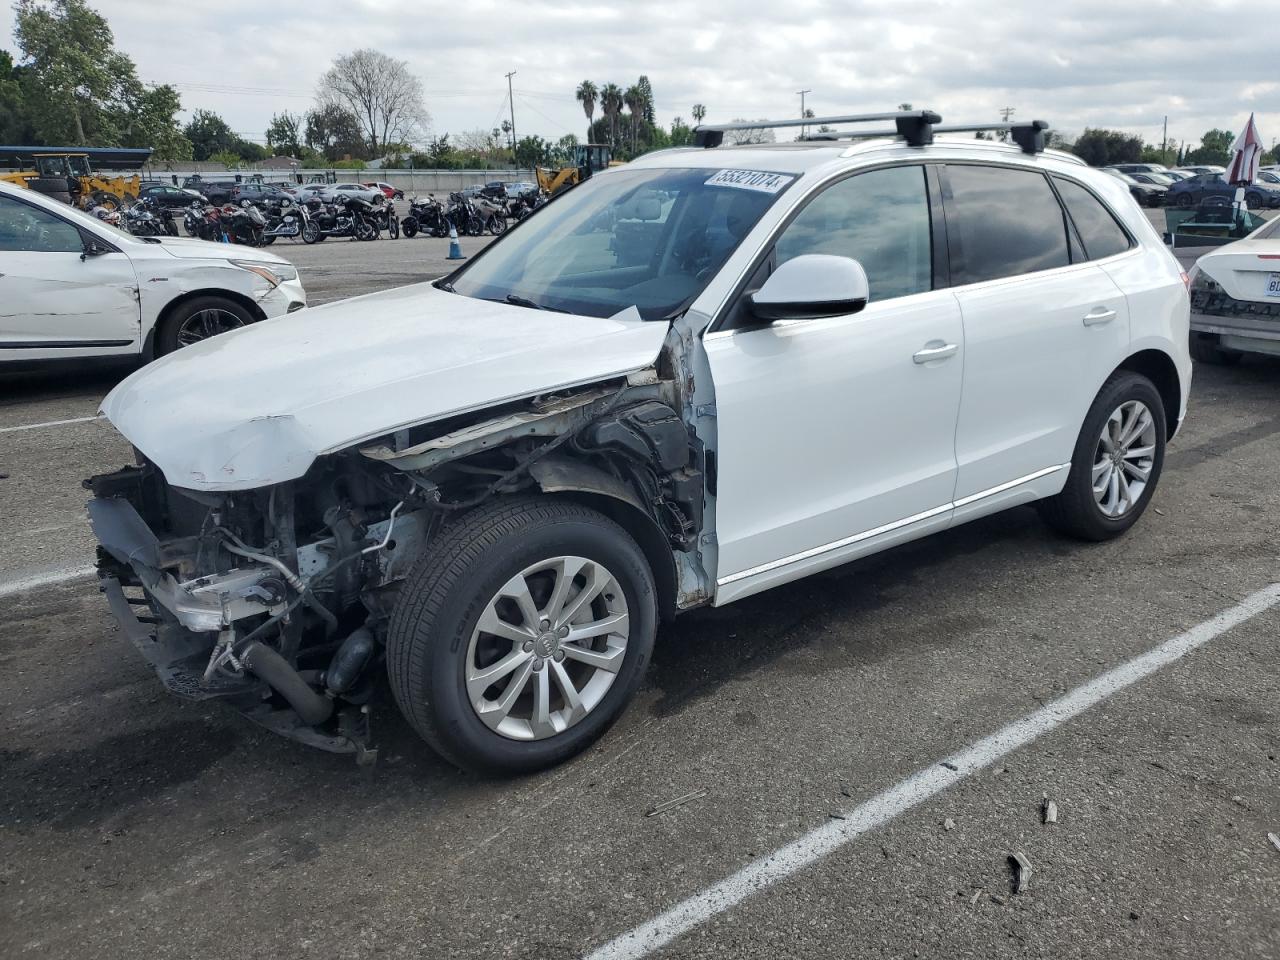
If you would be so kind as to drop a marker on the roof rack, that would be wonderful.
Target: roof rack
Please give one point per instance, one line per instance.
(917, 127)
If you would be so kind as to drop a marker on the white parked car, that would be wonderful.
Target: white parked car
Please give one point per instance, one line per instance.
(76, 288)
(1235, 298)
(690, 379)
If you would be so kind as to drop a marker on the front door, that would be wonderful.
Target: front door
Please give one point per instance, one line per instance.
(836, 433)
(54, 303)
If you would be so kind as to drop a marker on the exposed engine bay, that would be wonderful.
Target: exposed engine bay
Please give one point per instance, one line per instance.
(275, 600)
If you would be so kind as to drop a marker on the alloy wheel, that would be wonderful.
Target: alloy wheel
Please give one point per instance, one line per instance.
(204, 324)
(547, 648)
(1124, 459)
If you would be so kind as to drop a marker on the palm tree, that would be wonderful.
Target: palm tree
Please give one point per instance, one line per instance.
(633, 97)
(611, 106)
(699, 111)
(586, 95)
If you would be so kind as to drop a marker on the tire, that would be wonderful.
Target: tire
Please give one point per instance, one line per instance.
(1253, 201)
(393, 228)
(365, 230)
(409, 227)
(1207, 348)
(108, 200)
(62, 196)
(1184, 200)
(311, 232)
(49, 185)
(268, 241)
(475, 227)
(1076, 511)
(497, 225)
(171, 334)
(435, 624)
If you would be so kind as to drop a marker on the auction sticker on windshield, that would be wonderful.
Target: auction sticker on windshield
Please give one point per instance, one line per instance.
(758, 180)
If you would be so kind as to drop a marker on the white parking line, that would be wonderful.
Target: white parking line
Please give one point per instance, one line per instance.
(48, 423)
(45, 578)
(920, 786)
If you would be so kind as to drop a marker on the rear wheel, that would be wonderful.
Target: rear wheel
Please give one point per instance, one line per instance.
(1207, 348)
(393, 227)
(1253, 201)
(521, 635)
(200, 319)
(1184, 200)
(1116, 464)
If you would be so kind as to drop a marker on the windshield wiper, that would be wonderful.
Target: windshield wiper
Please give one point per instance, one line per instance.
(519, 301)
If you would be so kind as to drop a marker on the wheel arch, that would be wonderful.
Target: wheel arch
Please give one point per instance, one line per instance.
(1158, 367)
(149, 344)
(595, 488)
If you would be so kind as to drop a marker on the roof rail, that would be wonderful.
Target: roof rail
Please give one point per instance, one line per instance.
(1028, 135)
(914, 126)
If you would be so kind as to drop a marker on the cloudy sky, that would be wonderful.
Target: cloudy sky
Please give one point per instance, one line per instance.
(1075, 63)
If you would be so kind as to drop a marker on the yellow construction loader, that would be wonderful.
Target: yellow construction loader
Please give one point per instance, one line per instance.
(70, 178)
(588, 158)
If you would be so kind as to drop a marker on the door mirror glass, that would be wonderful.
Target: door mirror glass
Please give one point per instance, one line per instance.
(809, 286)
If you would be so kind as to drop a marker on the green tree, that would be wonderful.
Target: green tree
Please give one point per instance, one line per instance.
(335, 131)
(699, 111)
(209, 134)
(646, 99)
(1215, 148)
(611, 106)
(14, 125)
(681, 133)
(1098, 147)
(284, 134)
(74, 87)
(586, 95)
(634, 101)
(564, 148)
(533, 152)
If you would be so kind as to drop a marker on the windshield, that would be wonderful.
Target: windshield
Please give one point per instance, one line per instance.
(645, 238)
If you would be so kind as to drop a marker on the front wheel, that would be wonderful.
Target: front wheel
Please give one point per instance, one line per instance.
(1184, 200)
(497, 225)
(199, 319)
(522, 633)
(311, 232)
(393, 227)
(410, 227)
(366, 230)
(1116, 464)
(1253, 201)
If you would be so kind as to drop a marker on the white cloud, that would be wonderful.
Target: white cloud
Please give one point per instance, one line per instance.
(1075, 63)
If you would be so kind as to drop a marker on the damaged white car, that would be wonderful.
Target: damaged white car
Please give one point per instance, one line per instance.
(703, 374)
(78, 289)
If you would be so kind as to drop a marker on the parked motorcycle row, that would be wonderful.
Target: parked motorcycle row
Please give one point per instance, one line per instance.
(315, 219)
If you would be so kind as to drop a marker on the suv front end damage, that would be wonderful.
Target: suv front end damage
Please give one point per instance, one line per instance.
(275, 600)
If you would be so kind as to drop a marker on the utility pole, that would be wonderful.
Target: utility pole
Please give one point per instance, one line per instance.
(802, 113)
(1164, 137)
(1006, 114)
(512, 100)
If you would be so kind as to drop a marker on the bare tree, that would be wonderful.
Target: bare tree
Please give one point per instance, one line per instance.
(383, 95)
(750, 135)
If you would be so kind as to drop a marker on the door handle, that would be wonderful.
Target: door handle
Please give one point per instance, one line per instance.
(1098, 315)
(937, 350)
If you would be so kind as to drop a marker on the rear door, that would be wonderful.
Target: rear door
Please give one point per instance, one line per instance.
(56, 303)
(1044, 326)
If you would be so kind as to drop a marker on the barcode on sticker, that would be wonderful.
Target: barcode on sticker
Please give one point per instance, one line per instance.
(760, 180)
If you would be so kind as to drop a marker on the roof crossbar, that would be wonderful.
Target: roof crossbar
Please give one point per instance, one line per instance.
(915, 126)
(1029, 135)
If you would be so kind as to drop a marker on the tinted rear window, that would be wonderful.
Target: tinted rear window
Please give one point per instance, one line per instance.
(1003, 223)
(1101, 234)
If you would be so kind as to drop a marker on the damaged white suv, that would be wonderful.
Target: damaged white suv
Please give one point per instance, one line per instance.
(692, 378)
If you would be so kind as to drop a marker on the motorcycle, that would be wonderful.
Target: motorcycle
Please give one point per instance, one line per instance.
(203, 222)
(520, 208)
(425, 216)
(492, 213)
(244, 225)
(463, 215)
(288, 219)
(345, 217)
(384, 218)
(141, 222)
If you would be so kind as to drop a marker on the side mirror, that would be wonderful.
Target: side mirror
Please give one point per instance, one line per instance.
(92, 248)
(811, 286)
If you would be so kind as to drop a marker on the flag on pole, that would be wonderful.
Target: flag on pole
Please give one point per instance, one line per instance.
(1246, 155)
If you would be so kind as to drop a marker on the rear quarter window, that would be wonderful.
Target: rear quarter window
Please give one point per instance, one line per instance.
(1099, 231)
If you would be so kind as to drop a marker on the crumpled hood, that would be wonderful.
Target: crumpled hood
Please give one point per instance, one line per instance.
(257, 406)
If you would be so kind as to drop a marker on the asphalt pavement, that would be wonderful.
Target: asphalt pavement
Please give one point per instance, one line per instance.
(841, 710)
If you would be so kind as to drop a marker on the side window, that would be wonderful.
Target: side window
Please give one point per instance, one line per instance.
(1101, 235)
(881, 219)
(1002, 223)
(27, 229)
